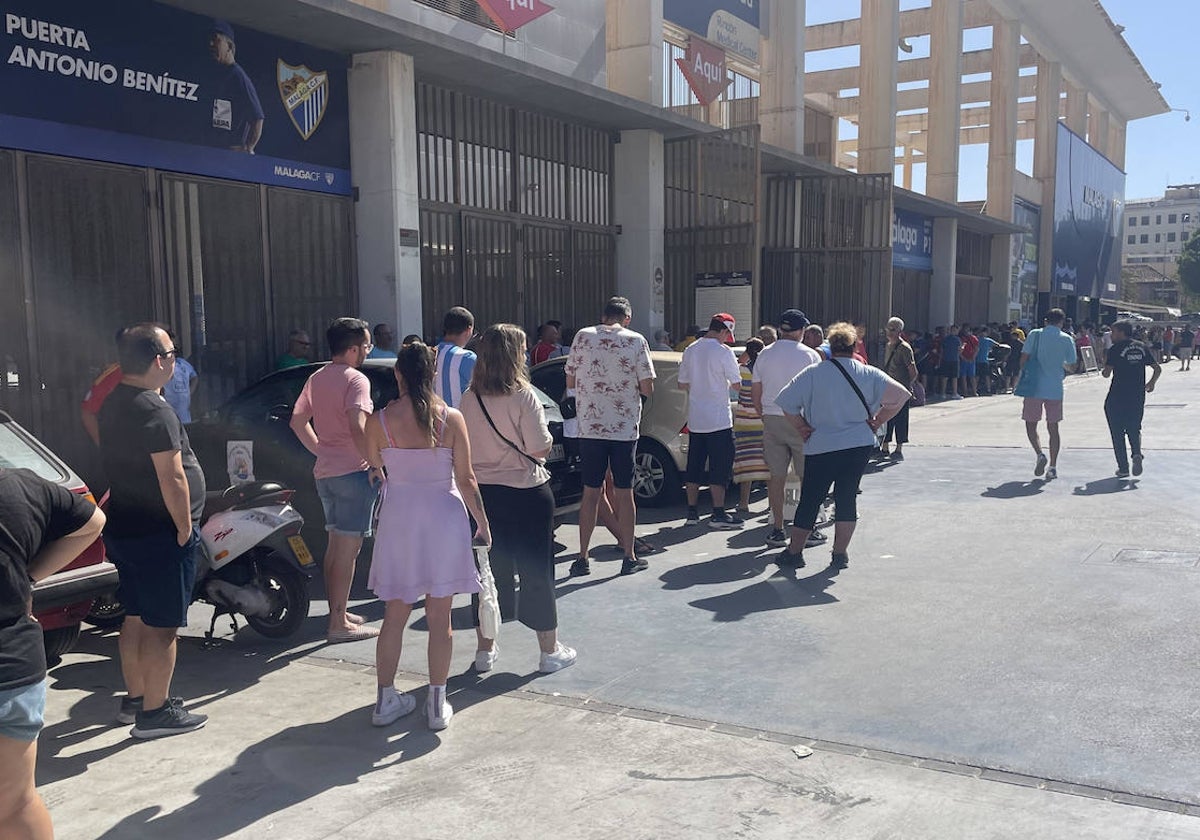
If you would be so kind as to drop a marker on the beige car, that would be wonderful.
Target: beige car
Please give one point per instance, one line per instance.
(662, 447)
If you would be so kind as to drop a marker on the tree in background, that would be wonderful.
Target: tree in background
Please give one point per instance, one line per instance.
(1189, 265)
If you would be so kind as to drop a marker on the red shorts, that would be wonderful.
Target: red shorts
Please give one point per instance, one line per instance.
(1031, 412)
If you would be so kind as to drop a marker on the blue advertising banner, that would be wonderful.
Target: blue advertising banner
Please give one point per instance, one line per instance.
(912, 240)
(1089, 200)
(731, 24)
(140, 83)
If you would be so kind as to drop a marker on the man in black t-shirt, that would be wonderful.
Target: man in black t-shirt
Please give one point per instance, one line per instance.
(1187, 340)
(43, 527)
(156, 497)
(1126, 363)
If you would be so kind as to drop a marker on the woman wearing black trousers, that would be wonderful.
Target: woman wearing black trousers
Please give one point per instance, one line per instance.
(509, 444)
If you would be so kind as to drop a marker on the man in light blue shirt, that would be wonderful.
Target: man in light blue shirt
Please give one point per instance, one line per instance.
(1053, 351)
(454, 362)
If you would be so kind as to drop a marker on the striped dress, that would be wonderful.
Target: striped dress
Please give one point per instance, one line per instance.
(748, 462)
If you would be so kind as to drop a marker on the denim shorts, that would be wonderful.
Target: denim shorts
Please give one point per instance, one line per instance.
(349, 503)
(157, 575)
(21, 711)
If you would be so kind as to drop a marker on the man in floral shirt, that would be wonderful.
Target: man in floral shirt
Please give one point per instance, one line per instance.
(609, 374)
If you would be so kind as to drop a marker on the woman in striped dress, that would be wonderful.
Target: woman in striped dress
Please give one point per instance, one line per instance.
(748, 464)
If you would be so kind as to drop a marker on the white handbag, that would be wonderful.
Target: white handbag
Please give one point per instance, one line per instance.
(489, 600)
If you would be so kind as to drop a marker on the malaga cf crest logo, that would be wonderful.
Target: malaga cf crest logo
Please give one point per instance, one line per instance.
(305, 93)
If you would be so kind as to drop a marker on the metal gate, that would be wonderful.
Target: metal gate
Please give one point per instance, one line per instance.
(711, 214)
(828, 248)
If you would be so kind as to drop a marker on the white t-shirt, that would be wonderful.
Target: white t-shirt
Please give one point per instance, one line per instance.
(710, 369)
(778, 365)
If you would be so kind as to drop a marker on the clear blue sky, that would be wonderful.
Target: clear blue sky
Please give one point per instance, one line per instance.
(1161, 150)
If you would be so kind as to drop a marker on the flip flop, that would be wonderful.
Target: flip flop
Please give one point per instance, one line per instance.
(355, 618)
(642, 546)
(355, 635)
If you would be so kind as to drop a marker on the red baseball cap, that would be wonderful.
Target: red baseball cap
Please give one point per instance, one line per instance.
(729, 322)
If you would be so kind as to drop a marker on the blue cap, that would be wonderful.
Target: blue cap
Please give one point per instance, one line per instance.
(222, 27)
(793, 320)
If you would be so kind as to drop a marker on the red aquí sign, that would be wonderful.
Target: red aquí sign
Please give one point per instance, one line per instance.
(704, 68)
(511, 15)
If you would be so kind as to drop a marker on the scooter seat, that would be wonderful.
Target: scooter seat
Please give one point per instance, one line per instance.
(238, 496)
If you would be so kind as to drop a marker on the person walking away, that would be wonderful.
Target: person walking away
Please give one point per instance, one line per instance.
(836, 407)
(1012, 365)
(1187, 341)
(384, 341)
(454, 361)
(178, 392)
(749, 464)
(1125, 404)
(610, 375)
(424, 544)
(1168, 344)
(156, 497)
(43, 527)
(1053, 351)
(900, 365)
(509, 444)
(967, 371)
(783, 448)
(337, 401)
(299, 351)
(707, 371)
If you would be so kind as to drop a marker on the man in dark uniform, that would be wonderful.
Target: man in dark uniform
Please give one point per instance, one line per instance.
(237, 114)
(1126, 363)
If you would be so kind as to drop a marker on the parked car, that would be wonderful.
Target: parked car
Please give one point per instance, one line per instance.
(662, 448)
(61, 601)
(250, 437)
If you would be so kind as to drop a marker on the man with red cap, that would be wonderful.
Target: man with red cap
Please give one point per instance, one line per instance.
(707, 372)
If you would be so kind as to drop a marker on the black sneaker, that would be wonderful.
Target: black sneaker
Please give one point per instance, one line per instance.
(633, 564)
(693, 517)
(840, 561)
(130, 706)
(722, 520)
(1122, 472)
(581, 567)
(169, 720)
(1137, 464)
(778, 538)
(787, 560)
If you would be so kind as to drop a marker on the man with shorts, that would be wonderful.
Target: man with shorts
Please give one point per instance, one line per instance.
(1125, 404)
(1053, 351)
(156, 497)
(337, 400)
(783, 448)
(609, 374)
(43, 527)
(1187, 341)
(707, 371)
(951, 362)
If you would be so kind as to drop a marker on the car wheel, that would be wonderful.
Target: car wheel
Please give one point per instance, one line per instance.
(60, 641)
(655, 477)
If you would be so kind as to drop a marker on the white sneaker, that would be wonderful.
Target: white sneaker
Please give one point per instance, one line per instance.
(395, 706)
(485, 659)
(438, 722)
(561, 657)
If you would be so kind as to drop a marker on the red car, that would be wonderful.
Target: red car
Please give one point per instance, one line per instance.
(61, 601)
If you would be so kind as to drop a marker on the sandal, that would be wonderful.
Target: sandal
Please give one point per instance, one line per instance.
(355, 618)
(641, 546)
(358, 634)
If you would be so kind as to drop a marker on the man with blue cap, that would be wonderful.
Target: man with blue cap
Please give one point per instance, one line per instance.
(237, 114)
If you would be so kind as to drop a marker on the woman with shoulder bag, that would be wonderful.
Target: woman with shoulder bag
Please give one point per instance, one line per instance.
(509, 443)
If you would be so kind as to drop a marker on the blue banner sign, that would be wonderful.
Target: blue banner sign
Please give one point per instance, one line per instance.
(139, 83)
(731, 24)
(912, 240)
(1089, 200)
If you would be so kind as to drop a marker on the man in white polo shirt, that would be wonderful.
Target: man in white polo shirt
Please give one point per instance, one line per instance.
(783, 448)
(707, 371)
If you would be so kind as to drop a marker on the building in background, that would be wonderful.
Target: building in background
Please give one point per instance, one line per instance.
(1155, 230)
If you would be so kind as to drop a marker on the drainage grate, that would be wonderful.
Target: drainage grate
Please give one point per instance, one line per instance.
(1141, 556)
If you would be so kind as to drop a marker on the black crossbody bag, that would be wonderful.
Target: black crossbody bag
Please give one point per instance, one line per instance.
(491, 423)
(880, 432)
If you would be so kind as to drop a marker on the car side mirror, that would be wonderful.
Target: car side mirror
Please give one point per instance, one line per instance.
(279, 414)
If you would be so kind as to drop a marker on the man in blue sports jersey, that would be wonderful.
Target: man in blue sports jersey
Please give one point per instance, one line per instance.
(454, 361)
(237, 113)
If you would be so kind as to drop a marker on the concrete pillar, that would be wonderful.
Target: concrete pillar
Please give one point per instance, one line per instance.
(945, 100)
(781, 102)
(633, 38)
(1002, 154)
(1077, 109)
(383, 158)
(945, 272)
(639, 207)
(877, 87)
(1045, 161)
(1098, 126)
(1116, 143)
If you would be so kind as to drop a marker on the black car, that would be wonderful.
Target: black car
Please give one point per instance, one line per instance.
(249, 438)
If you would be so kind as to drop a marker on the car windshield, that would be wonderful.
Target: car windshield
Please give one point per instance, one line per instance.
(17, 453)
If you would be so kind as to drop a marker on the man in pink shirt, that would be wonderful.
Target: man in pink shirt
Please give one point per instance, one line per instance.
(337, 401)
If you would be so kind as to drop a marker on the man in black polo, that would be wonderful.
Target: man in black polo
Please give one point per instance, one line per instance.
(1126, 363)
(156, 498)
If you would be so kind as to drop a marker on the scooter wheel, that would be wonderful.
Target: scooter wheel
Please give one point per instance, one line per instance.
(288, 590)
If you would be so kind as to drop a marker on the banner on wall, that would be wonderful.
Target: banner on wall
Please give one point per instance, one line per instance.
(912, 240)
(139, 83)
(1089, 199)
(511, 15)
(1023, 279)
(733, 25)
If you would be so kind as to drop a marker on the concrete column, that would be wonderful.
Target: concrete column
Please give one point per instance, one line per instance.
(1098, 126)
(1045, 161)
(633, 38)
(945, 100)
(1002, 154)
(945, 272)
(877, 87)
(1077, 109)
(781, 102)
(383, 158)
(639, 207)
(1116, 143)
